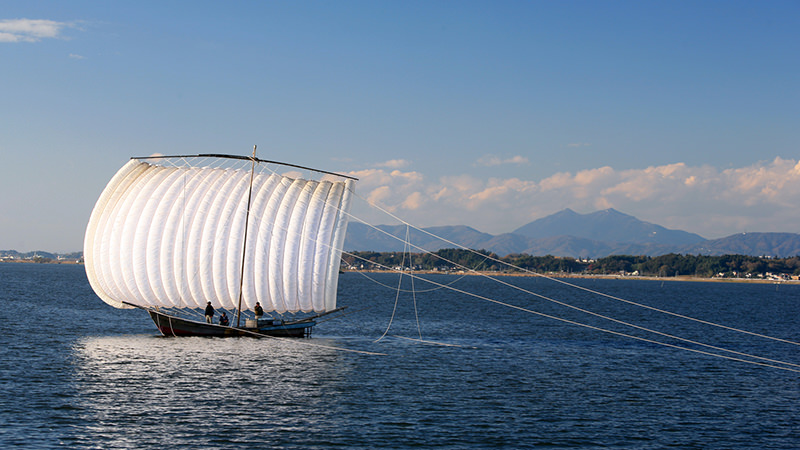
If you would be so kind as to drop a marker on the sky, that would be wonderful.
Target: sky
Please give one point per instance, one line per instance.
(489, 114)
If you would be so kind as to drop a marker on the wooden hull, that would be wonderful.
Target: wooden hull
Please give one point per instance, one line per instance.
(175, 326)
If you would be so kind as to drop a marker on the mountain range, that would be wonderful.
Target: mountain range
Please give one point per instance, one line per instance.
(570, 234)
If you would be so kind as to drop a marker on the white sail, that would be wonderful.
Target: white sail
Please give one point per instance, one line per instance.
(166, 236)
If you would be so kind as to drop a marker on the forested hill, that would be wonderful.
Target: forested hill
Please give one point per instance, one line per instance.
(449, 260)
(757, 244)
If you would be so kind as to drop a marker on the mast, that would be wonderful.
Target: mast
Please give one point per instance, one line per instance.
(244, 244)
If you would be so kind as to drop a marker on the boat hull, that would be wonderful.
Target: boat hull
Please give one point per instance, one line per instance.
(170, 325)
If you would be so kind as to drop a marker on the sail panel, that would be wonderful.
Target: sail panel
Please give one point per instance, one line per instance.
(236, 238)
(179, 224)
(199, 246)
(292, 270)
(168, 190)
(171, 257)
(259, 230)
(129, 224)
(278, 245)
(324, 238)
(150, 199)
(207, 223)
(97, 235)
(310, 245)
(339, 231)
(173, 236)
(264, 245)
(214, 243)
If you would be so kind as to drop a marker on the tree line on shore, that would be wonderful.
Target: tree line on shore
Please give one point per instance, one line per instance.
(660, 266)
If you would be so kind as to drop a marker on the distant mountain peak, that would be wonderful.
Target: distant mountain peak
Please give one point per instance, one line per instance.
(567, 233)
(609, 212)
(565, 213)
(607, 225)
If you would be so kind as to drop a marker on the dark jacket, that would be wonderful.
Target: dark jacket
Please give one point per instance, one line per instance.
(209, 310)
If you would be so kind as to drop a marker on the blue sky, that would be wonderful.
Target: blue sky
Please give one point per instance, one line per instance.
(488, 114)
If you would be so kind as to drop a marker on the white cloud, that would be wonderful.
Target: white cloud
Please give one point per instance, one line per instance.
(778, 183)
(493, 160)
(700, 199)
(30, 30)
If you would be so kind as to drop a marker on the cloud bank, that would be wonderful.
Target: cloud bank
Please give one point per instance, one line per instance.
(704, 199)
(29, 30)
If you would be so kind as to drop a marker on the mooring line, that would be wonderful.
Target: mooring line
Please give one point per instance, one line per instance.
(509, 305)
(705, 322)
(423, 341)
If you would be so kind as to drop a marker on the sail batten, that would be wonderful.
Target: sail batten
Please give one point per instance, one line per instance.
(173, 236)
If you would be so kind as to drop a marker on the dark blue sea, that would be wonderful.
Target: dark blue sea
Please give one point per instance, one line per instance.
(76, 373)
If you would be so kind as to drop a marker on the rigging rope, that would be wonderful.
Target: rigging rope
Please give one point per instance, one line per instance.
(652, 341)
(418, 291)
(396, 298)
(421, 341)
(311, 344)
(682, 316)
(587, 311)
(406, 249)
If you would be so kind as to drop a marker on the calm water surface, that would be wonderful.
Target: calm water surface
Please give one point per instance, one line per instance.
(78, 373)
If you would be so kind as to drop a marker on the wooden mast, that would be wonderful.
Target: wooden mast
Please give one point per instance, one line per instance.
(244, 244)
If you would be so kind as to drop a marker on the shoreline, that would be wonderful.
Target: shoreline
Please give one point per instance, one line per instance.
(30, 261)
(515, 274)
(589, 276)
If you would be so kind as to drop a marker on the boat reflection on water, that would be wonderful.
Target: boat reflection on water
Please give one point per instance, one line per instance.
(130, 387)
(203, 359)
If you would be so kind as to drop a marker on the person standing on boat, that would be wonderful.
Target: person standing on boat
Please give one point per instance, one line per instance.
(209, 312)
(259, 310)
(223, 319)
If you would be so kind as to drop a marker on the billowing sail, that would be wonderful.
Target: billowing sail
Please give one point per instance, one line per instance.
(174, 236)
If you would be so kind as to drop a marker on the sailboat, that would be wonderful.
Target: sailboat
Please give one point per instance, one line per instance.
(171, 235)
(174, 234)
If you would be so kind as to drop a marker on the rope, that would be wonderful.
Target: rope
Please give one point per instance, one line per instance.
(652, 341)
(396, 298)
(607, 318)
(418, 291)
(682, 316)
(406, 249)
(421, 341)
(311, 344)
(413, 291)
(158, 325)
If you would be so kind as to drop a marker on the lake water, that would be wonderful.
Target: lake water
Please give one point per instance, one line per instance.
(80, 374)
